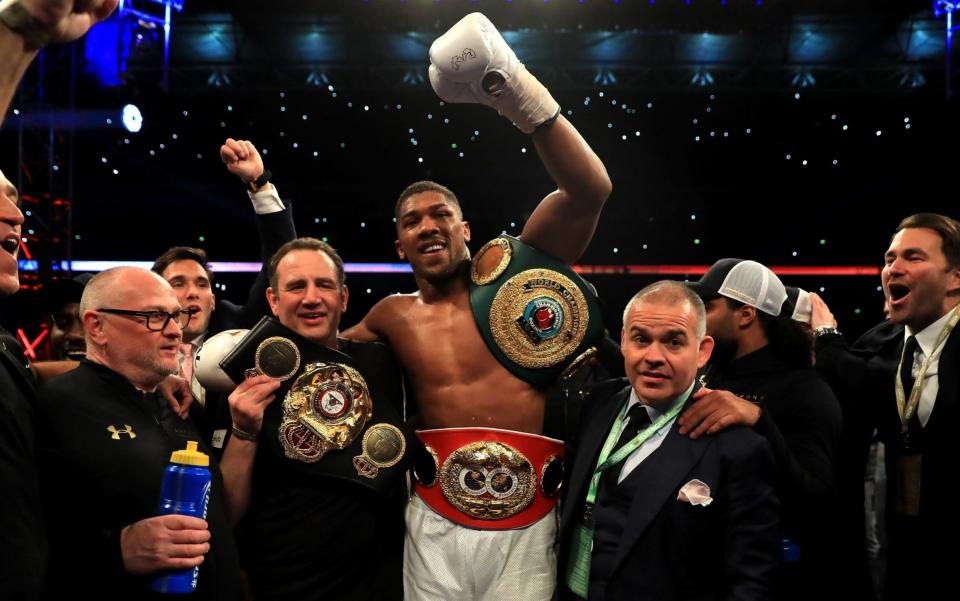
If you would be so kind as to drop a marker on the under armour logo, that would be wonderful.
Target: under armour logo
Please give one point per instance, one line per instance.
(115, 434)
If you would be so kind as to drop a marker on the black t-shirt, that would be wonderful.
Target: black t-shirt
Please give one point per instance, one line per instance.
(307, 536)
(23, 549)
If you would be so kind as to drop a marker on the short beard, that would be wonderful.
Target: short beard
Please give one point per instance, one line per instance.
(156, 368)
(441, 279)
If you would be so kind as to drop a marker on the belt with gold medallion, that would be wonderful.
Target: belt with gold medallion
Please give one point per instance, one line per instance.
(490, 479)
(536, 315)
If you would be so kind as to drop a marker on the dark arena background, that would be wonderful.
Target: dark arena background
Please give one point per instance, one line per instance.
(794, 133)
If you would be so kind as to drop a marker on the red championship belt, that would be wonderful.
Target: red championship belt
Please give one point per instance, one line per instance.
(491, 479)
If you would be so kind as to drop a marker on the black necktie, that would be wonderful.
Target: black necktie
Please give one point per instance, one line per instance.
(638, 420)
(906, 369)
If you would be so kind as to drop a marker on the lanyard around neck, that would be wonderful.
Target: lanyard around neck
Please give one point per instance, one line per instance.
(907, 407)
(605, 461)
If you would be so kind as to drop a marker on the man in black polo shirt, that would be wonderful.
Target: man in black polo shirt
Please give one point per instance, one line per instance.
(107, 440)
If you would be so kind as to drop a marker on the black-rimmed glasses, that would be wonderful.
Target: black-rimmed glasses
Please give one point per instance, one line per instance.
(156, 321)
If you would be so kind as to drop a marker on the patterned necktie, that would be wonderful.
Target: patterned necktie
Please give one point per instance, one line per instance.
(186, 365)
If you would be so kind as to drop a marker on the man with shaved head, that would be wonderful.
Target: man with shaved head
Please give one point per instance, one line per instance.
(110, 438)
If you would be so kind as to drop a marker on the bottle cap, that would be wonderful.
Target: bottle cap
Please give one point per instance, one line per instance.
(190, 456)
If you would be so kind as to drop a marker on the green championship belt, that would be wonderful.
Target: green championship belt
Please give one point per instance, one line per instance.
(536, 315)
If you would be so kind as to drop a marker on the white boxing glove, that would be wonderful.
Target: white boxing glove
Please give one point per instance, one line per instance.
(472, 63)
(206, 361)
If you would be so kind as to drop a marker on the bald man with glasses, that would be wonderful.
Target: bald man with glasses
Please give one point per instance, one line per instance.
(108, 441)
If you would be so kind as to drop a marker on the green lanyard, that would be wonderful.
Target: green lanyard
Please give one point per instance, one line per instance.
(604, 462)
(907, 407)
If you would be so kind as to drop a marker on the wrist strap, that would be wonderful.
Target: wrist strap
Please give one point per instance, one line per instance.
(260, 181)
(243, 434)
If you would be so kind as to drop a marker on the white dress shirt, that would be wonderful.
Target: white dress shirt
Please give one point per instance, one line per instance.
(651, 444)
(926, 338)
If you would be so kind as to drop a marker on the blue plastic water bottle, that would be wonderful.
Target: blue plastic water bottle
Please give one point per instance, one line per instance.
(185, 490)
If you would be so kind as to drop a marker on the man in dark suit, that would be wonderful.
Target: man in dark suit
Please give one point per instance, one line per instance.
(187, 271)
(909, 388)
(653, 514)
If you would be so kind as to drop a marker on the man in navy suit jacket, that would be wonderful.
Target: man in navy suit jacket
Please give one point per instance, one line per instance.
(916, 358)
(671, 518)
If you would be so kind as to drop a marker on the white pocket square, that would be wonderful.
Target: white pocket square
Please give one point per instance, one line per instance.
(695, 492)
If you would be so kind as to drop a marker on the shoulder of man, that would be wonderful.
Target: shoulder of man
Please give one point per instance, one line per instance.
(70, 382)
(389, 308)
(372, 353)
(606, 388)
(884, 335)
(600, 392)
(741, 442)
(807, 388)
(66, 392)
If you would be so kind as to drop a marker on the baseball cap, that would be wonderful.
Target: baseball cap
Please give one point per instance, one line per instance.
(798, 304)
(744, 281)
(58, 292)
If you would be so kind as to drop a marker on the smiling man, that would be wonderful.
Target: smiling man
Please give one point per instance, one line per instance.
(295, 507)
(479, 366)
(61, 301)
(908, 387)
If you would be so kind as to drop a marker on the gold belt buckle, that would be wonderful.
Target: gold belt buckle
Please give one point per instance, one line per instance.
(488, 480)
(325, 409)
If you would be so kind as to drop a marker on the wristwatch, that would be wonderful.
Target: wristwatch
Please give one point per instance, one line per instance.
(825, 330)
(17, 19)
(260, 181)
